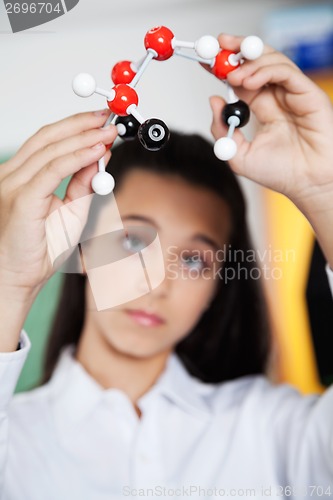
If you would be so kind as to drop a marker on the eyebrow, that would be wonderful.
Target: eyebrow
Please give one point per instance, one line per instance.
(206, 239)
(199, 236)
(141, 218)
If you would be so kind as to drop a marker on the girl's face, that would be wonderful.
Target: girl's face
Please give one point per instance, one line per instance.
(192, 224)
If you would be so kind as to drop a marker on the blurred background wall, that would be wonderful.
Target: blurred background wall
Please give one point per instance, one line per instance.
(37, 67)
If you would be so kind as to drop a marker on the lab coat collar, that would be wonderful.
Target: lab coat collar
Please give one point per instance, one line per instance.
(75, 394)
(185, 391)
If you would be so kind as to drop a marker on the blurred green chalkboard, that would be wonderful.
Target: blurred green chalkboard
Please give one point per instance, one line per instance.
(38, 322)
(37, 326)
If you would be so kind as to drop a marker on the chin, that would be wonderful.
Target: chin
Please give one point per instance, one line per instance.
(137, 349)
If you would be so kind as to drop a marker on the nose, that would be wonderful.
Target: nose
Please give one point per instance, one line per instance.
(164, 289)
(151, 277)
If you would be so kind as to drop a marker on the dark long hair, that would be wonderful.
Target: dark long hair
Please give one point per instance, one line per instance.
(232, 337)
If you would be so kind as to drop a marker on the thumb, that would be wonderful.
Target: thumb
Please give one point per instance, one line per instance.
(80, 183)
(218, 128)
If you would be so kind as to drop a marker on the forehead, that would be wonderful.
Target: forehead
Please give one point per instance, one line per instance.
(173, 202)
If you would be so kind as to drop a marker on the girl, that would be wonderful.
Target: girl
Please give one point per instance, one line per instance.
(165, 395)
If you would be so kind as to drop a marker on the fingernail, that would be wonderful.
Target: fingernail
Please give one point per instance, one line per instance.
(101, 112)
(98, 146)
(108, 127)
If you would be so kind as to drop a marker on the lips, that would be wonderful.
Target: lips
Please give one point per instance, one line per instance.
(144, 318)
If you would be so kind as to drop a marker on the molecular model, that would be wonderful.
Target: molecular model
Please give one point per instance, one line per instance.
(122, 99)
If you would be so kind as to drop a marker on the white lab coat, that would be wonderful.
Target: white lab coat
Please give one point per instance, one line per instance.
(72, 440)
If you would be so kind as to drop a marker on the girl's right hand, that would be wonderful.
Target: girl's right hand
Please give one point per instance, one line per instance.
(27, 181)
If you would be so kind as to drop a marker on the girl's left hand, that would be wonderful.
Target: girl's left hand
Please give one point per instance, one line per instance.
(292, 151)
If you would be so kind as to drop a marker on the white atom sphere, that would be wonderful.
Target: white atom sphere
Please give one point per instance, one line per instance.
(252, 47)
(84, 85)
(121, 129)
(102, 183)
(207, 47)
(225, 148)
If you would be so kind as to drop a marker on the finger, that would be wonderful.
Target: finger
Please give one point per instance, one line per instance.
(4, 170)
(229, 42)
(290, 78)
(294, 95)
(78, 187)
(80, 183)
(232, 42)
(236, 77)
(42, 185)
(55, 132)
(77, 200)
(219, 129)
(85, 139)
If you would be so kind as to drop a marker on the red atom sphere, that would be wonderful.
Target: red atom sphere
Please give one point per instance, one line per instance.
(222, 66)
(125, 96)
(122, 72)
(160, 40)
